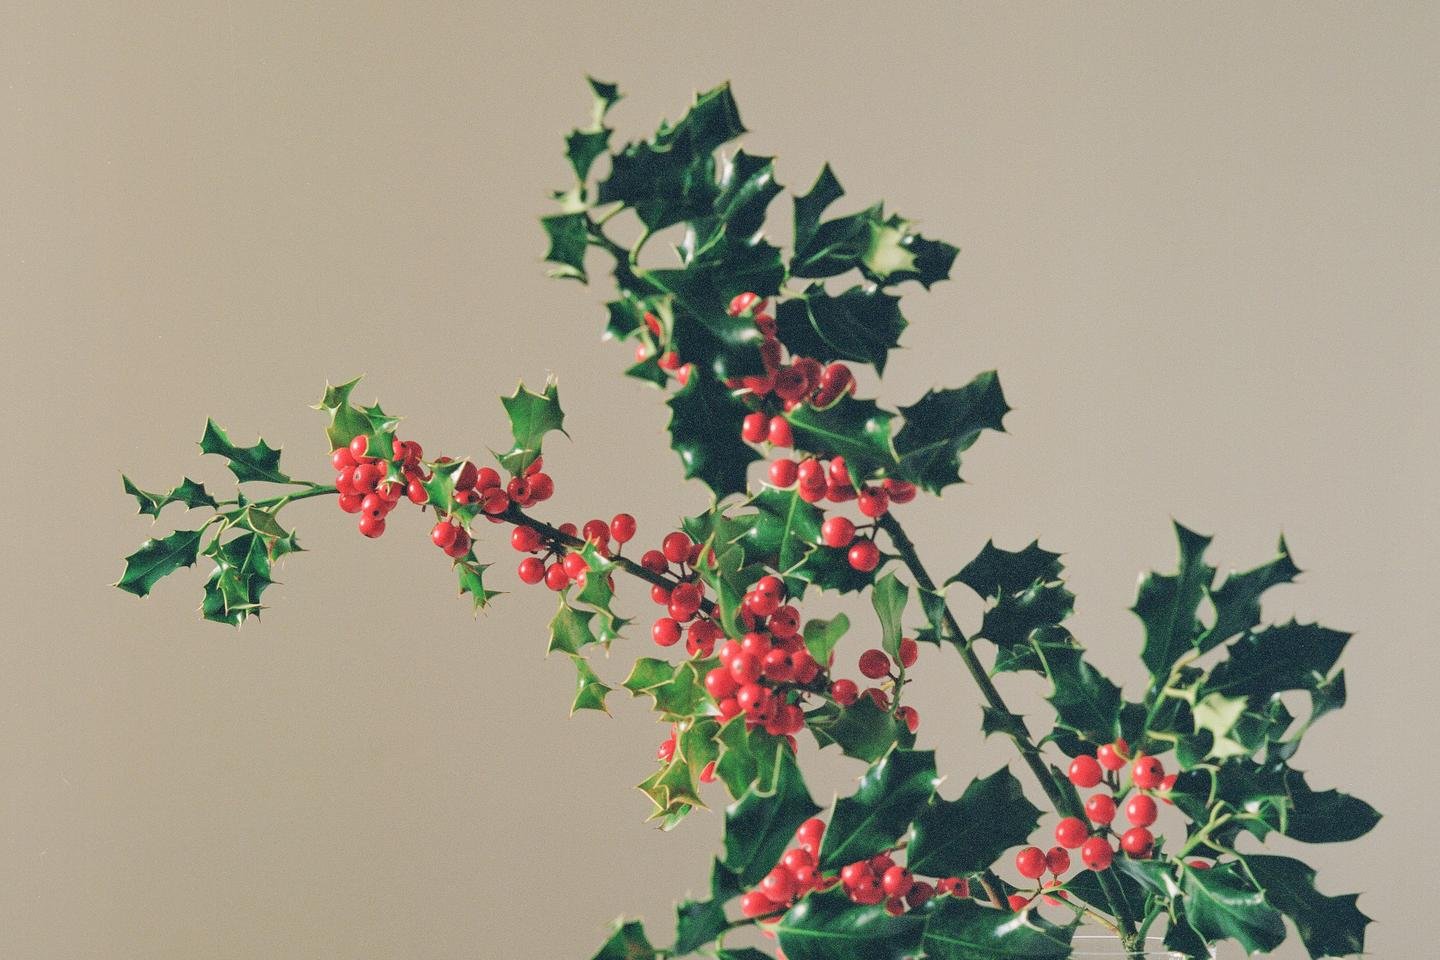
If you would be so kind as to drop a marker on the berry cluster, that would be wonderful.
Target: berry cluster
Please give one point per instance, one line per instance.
(558, 566)
(372, 486)
(1033, 863)
(877, 879)
(668, 360)
(876, 665)
(481, 486)
(1147, 775)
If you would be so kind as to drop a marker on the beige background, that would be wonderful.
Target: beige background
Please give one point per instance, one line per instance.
(1199, 243)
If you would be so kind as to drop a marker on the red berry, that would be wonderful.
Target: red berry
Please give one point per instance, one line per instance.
(707, 772)
(341, 459)
(574, 565)
(556, 578)
(659, 594)
(785, 621)
(762, 604)
(873, 502)
(864, 556)
(443, 534)
(622, 527)
(359, 445)
(372, 525)
(487, 479)
(1199, 865)
(754, 428)
(837, 532)
(874, 664)
(417, 493)
(1030, 862)
(1137, 841)
(795, 858)
(666, 750)
(777, 666)
(783, 472)
(596, 531)
(756, 904)
(351, 502)
(467, 476)
(845, 692)
(1100, 808)
(877, 697)
(909, 652)
(909, 717)
(809, 834)
(685, 600)
(541, 487)
(1096, 853)
(901, 491)
(676, 547)
(374, 505)
(460, 546)
(1085, 772)
(1148, 772)
(778, 885)
(867, 891)
(1141, 810)
(1112, 755)
(896, 881)
(779, 433)
(753, 698)
(895, 906)
(920, 894)
(665, 632)
(746, 668)
(770, 584)
(837, 376)
(654, 561)
(364, 478)
(1017, 902)
(525, 539)
(532, 570)
(1071, 832)
(1168, 785)
(1058, 860)
(741, 302)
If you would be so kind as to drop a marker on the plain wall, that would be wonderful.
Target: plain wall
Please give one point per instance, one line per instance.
(1199, 243)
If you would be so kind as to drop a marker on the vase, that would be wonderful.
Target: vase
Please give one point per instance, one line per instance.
(1104, 945)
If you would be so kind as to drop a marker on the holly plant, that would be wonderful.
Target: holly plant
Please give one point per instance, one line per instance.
(1133, 806)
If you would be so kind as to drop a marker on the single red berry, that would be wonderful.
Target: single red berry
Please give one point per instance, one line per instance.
(845, 692)
(901, 491)
(1137, 841)
(654, 561)
(1085, 772)
(746, 668)
(372, 525)
(873, 502)
(809, 835)
(895, 906)
(770, 584)
(532, 570)
(1199, 865)
(676, 547)
(685, 599)
(496, 501)
(487, 479)
(755, 644)
(574, 565)
(778, 885)
(460, 546)
(756, 904)
(920, 894)
(1017, 902)
(909, 716)
(1030, 862)
(1100, 808)
(374, 505)
(1058, 860)
(665, 632)
(670, 360)
(341, 459)
(556, 578)
(896, 881)
(1096, 853)
(729, 707)
(837, 532)
(909, 652)
(753, 698)
(359, 446)
(596, 531)
(417, 493)
(1148, 772)
(541, 487)
(777, 666)
(755, 427)
(1071, 832)
(864, 556)
(742, 302)
(525, 539)
(797, 857)
(785, 621)
(707, 772)
(660, 595)
(1112, 756)
(877, 696)
(1168, 785)
(622, 527)
(1141, 810)
(443, 534)
(351, 502)
(867, 892)
(1062, 894)
(779, 433)
(467, 476)
(666, 750)
(364, 478)
(783, 472)
(874, 664)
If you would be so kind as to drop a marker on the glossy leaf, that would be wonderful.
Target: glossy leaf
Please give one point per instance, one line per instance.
(1328, 926)
(628, 942)
(569, 239)
(157, 559)
(532, 416)
(861, 730)
(1084, 699)
(1168, 604)
(258, 462)
(870, 820)
(944, 423)
(1221, 903)
(784, 529)
(760, 825)
(827, 926)
(1237, 599)
(859, 325)
(589, 690)
(822, 635)
(957, 837)
(858, 430)
(965, 930)
(346, 420)
(187, 492)
(703, 414)
(889, 597)
(995, 571)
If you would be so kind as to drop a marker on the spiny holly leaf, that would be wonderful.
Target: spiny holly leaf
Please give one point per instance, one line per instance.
(598, 594)
(472, 582)
(1288, 656)
(1325, 816)
(584, 146)
(889, 598)
(440, 489)
(346, 421)
(188, 492)
(943, 424)
(784, 529)
(697, 922)
(831, 248)
(1328, 926)
(705, 432)
(1237, 600)
(762, 822)
(570, 630)
(956, 837)
(827, 926)
(532, 415)
(671, 177)
(965, 930)
(1182, 938)
(1015, 618)
(995, 571)
(746, 755)
(860, 325)
(747, 185)
(822, 635)
(158, 558)
(869, 821)
(1084, 699)
(861, 730)
(628, 942)
(895, 254)
(1221, 903)
(1167, 605)
(1000, 721)
(858, 430)
(677, 689)
(827, 568)
(241, 574)
(589, 691)
(704, 333)
(260, 462)
(674, 788)
(569, 239)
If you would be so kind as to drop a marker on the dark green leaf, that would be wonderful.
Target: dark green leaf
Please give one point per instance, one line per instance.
(889, 598)
(628, 942)
(260, 462)
(995, 571)
(869, 821)
(532, 415)
(188, 492)
(346, 421)
(763, 821)
(747, 185)
(1325, 816)
(785, 528)
(570, 630)
(997, 721)
(568, 233)
(858, 325)
(472, 583)
(1014, 617)
(822, 635)
(956, 837)
(895, 254)
(944, 423)
(705, 432)
(1237, 600)
(697, 922)
(827, 926)
(1289, 656)
(1084, 699)
(158, 558)
(1328, 926)
(861, 730)
(1221, 902)
(965, 930)
(1167, 605)
(241, 574)
(858, 430)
